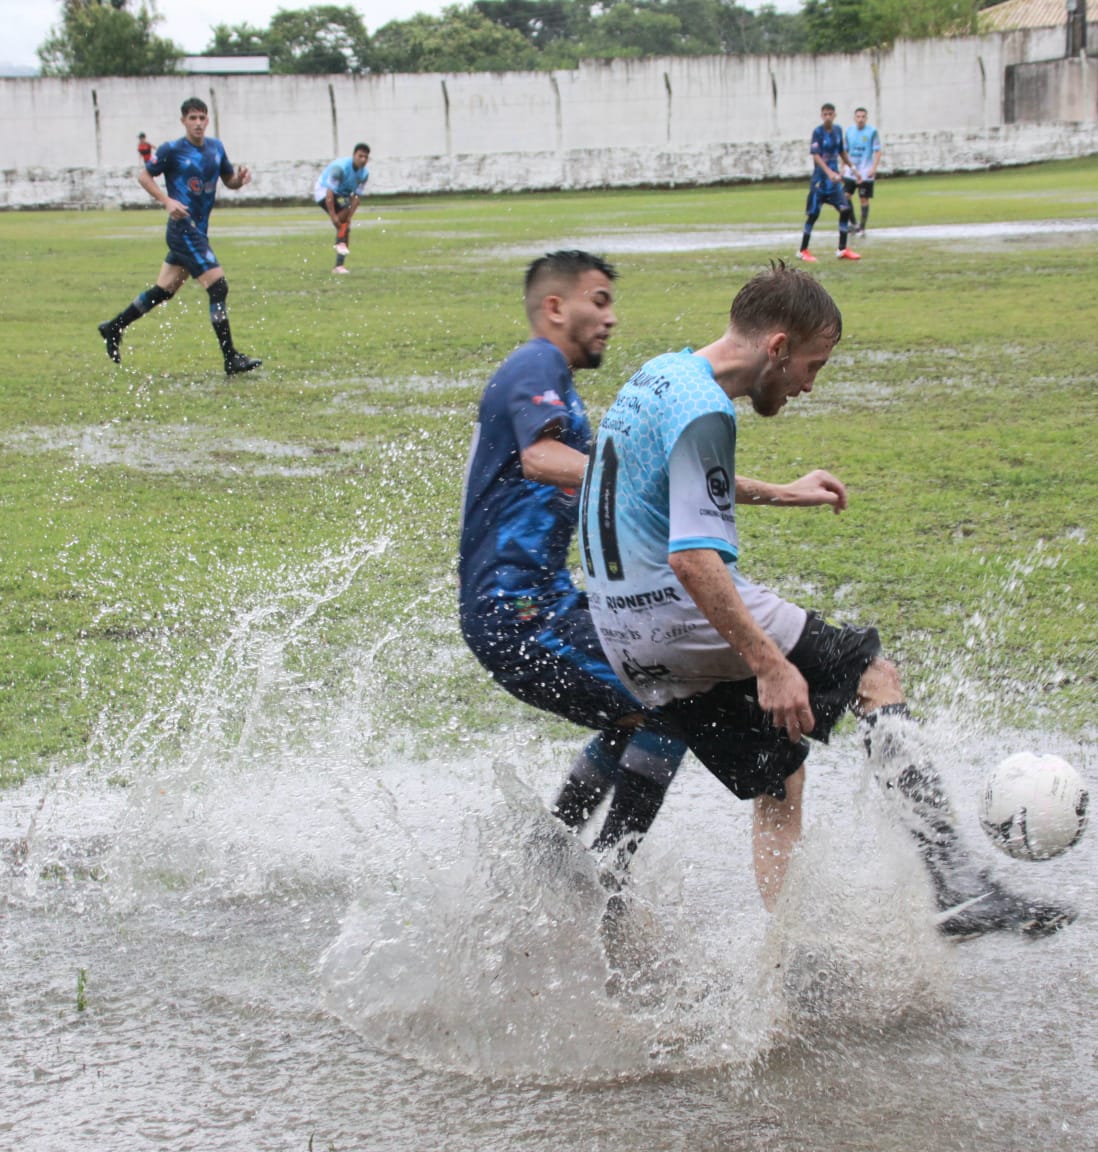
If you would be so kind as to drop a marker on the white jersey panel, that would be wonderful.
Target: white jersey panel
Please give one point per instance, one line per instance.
(662, 479)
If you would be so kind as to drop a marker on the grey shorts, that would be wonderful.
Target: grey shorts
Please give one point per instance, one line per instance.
(735, 739)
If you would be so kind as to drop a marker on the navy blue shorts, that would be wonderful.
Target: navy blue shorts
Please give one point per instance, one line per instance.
(818, 197)
(736, 740)
(553, 661)
(188, 248)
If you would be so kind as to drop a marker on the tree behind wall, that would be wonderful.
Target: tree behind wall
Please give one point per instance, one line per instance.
(97, 38)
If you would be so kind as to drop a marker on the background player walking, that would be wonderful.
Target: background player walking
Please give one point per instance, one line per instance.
(191, 167)
(337, 192)
(828, 148)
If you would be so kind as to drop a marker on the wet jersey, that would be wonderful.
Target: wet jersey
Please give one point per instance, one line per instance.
(662, 479)
(827, 144)
(191, 174)
(862, 144)
(515, 532)
(341, 178)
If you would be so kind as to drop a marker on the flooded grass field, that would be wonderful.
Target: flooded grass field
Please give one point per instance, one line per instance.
(275, 866)
(283, 931)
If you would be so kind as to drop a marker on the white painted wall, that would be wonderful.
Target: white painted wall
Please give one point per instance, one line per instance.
(938, 103)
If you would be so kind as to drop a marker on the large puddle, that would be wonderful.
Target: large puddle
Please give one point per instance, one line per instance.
(273, 927)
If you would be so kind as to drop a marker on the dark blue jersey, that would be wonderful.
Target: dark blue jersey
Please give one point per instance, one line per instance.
(191, 174)
(515, 533)
(827, 145)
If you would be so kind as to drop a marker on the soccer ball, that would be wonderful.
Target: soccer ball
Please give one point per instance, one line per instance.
(1034, 807)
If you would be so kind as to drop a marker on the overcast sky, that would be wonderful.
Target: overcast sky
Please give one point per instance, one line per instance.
(26, 23)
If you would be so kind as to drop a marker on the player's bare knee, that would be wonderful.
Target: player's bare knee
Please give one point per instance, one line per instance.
(878, 686)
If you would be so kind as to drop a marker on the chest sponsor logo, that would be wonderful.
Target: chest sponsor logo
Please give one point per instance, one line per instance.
(640, 601)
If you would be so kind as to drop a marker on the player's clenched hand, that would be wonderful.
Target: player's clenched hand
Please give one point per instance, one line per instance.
(817, 487)
(176, 210)
(784, 694)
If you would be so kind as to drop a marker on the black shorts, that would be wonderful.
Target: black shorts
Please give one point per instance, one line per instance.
(736, 740)
(864, 189)
(341, 202)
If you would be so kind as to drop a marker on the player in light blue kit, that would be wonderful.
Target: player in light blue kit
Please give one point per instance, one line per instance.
(741, 673)
(827, 149)
(337, 193)
(863, 149)
(191, 167)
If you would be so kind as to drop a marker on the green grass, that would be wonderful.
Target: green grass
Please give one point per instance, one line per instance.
(148, 509)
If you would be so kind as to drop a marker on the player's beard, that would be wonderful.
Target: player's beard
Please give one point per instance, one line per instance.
(592, 358)
(768, 398)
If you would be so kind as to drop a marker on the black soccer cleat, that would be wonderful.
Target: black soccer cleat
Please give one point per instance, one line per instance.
(237, 362)
(112, 336)
(995, 909)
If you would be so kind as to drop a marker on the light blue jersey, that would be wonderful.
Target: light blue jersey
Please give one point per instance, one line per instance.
(341, 178)
(662, 480)
(862, 144)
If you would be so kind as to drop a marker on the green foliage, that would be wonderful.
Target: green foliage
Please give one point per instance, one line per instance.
(460, 40)
(568, 31)
(146, 510)
(854, 25)
(97, 39)
(237, 40)
(323, 39)
(511, 35)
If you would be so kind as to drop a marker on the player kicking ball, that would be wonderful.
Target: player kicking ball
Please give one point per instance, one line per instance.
(191, 167)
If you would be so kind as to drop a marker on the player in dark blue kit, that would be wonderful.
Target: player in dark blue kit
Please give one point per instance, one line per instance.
(191, 167)
(828, 148)
(521, 614)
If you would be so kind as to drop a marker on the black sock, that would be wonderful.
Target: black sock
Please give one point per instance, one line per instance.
(577, 800)
(224, 336)
(138, 307)
(637, 800)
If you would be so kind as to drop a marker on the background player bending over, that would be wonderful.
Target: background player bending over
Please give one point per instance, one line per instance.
(337, 192)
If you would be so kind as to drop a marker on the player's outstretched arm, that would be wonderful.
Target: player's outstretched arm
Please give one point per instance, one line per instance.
(782, 689)
(818, 487)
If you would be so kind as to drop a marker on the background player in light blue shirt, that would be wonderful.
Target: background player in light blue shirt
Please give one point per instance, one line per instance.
(337, 192)
(863, 149)
(191, 167)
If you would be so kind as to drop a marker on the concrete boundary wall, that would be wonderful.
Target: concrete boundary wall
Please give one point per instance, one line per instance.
(940, 105)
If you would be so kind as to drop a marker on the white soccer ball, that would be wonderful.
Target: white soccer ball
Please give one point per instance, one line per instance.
(1034, 807)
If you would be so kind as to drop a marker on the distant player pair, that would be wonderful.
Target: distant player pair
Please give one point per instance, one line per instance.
(832, 183)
